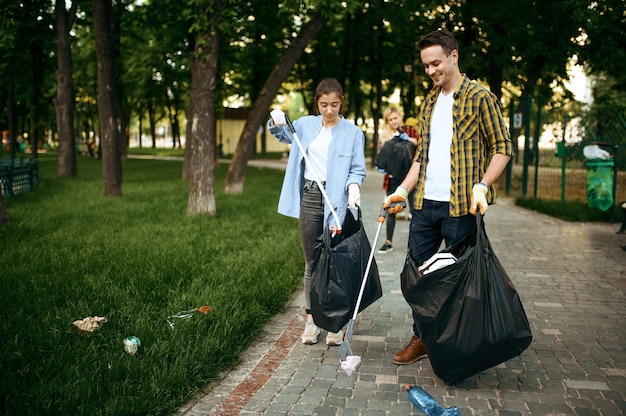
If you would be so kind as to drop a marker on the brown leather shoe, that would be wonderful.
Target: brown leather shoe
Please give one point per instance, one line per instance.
(411, 353)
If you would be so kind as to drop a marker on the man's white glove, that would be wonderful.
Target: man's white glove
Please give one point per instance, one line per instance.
(479, 199)
(278, 117)
(400, 195)
(354, 195)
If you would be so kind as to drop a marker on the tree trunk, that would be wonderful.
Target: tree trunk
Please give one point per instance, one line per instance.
(173, 116)
(187, 159)
(122, 120)
(109, 129)
(152, 123)
(36, 109)
(140, 128)
(65, 90)
(203, 63)
(495, 77)
(11, 120)
(237, 169)
(377, 86)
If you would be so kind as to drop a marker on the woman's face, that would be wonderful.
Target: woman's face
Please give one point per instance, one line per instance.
(329, 106)
(394, 120)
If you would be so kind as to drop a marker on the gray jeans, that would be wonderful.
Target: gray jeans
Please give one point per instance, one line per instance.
(311, 226)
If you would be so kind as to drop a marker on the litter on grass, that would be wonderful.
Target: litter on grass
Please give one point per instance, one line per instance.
(132, 345)
(89, 324)
(188, 314)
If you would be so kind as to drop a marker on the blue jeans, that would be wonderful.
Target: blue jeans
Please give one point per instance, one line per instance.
(311, 226)
(432, 225)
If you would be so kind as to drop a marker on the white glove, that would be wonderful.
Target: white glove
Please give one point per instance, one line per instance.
(354, 195)
(400, 195)
(278, 117)
(479, 198)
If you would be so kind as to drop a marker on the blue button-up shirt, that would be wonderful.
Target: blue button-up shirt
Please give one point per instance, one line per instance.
(346, 164)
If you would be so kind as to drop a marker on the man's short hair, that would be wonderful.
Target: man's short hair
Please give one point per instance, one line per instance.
(440, 37)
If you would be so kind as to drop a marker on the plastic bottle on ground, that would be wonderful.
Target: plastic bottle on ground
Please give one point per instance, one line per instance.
(427, 403)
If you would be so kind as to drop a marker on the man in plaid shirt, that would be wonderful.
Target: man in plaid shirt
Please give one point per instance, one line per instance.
(464, 147)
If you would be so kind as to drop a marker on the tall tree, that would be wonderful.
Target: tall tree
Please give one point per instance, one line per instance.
(203, 61)
(40, 44)
(236, 172)
(65, 89)
(107, 96)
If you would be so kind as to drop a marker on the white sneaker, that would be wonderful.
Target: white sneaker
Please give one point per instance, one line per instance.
(311, 331)
(334, 338)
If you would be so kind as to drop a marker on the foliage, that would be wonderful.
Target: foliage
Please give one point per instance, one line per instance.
(138, 260)
(528, 51)
(519, 47)
(604, 30)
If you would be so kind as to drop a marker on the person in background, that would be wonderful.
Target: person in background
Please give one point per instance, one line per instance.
(410, 128)
(464, 147)
(334, 147)
(394, 160)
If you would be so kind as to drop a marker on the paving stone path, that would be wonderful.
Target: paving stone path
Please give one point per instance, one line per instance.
(572, 281)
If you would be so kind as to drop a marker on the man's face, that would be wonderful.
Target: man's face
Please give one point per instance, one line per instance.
(439, 67)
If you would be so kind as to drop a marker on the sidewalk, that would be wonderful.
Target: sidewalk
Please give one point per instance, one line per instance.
(571, 278)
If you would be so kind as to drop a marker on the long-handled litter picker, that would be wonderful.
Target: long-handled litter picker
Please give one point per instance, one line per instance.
(349, 362)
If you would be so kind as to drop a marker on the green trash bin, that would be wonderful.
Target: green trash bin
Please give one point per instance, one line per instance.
(600, 183)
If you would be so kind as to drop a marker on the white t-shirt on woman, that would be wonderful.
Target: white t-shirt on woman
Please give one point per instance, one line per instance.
(318, 156)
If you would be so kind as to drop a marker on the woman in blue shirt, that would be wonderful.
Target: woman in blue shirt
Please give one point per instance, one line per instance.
(334, 147)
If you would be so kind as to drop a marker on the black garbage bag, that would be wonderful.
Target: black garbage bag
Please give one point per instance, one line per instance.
(469, 314)
(339, 264)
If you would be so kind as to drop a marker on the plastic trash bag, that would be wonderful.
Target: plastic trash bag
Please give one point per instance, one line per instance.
(469, 315)
(339, 264)
(396, 157)
(600, 184)
(593, 151)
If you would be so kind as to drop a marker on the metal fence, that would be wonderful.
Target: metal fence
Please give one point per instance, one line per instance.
(560, 172)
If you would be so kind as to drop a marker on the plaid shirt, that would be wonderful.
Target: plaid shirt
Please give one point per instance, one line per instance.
(479, 132)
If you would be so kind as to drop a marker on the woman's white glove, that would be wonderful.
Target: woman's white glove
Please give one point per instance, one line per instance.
(479, 199)
(354, 195)
(278, 117)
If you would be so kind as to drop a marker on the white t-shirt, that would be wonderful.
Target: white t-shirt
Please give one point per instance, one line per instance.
(438, 182)
(318, 156)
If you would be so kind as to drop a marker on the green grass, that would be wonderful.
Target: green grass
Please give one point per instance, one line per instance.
(162, 151)
(68, 253)
(571, 211)
(157, 151)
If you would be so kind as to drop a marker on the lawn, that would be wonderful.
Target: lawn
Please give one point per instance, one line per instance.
(68, 253)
